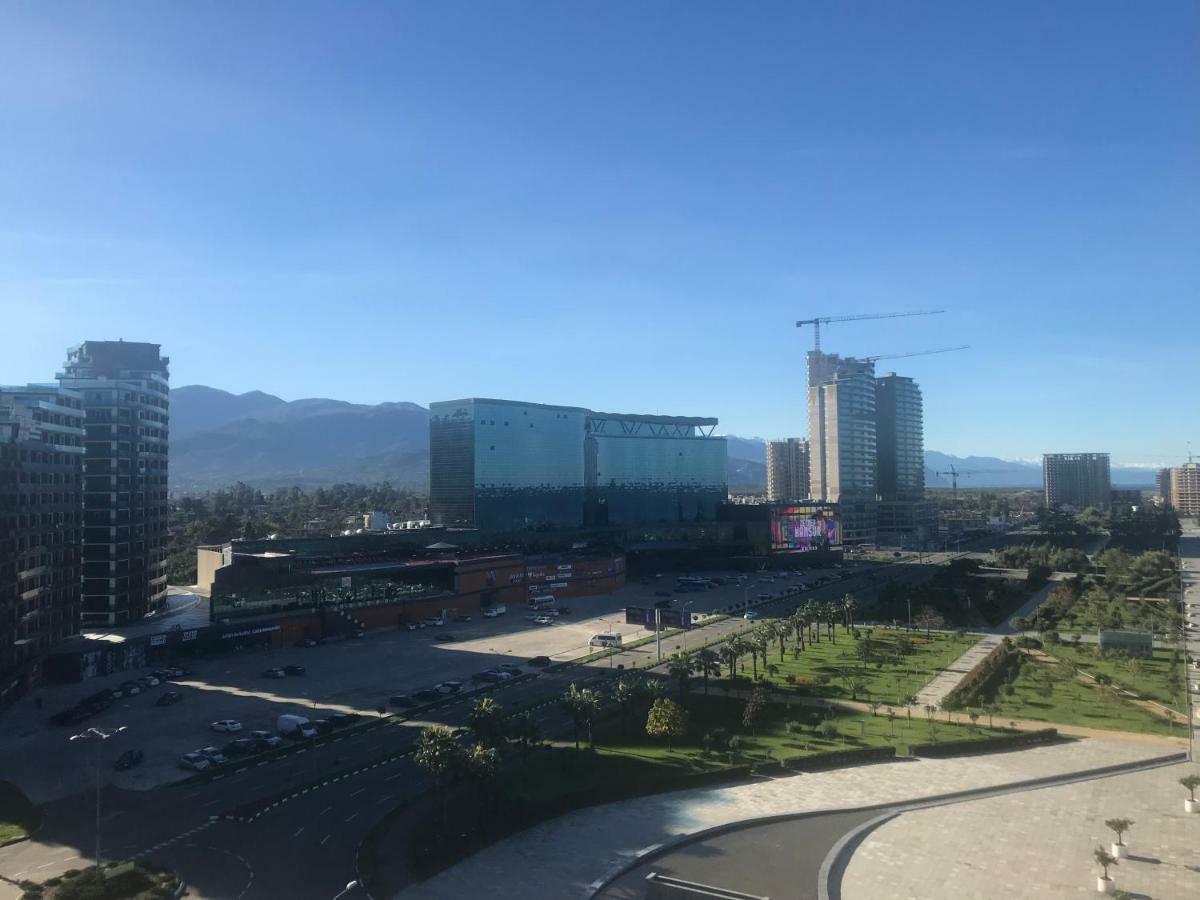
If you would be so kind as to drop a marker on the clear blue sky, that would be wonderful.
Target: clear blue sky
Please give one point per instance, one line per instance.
(620, 205)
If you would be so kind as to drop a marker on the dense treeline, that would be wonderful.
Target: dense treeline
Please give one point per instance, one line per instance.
(955, 595)
(245, 512)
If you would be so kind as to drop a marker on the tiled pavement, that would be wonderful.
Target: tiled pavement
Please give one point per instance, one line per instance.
(565, 857)
(934, 692)
(1036, 844)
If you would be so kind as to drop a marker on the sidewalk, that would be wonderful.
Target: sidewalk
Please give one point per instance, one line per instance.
(948, 679)
(590, 843)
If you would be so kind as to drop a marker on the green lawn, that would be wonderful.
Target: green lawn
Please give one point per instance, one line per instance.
(1147, 677)
(831, 669)
(627, 763)
(18, 816)
(1051, 693)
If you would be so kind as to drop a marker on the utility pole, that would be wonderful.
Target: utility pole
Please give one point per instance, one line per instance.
(658, 632)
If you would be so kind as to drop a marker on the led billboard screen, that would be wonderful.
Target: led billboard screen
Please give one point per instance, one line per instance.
(800, 529)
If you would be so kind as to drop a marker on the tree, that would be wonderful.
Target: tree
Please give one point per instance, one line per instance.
(756, 707)
(891, 717)
(666, 719)
(849, 607)
(481, 765)
(733, 650)
(1105, 860)
(1191, 782)
(706, 663)
(1119, 827)
(679, 667)
(439, 754)
(991, 709)
(929, 618)
(581, 704)
(525, 731)
(628, 691)
(486, 721)
(780, 630)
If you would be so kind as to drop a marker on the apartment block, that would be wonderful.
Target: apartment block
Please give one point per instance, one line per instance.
(1077, 480)
(787, 470)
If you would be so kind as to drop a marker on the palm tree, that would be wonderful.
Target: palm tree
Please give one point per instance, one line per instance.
(760, 645)
(810, 617)
(679, 667)
(735, 648)
(706, 661)
(628, 692)
(439, 754)
(486, 721)
(849, 607)
(796, 621)
(780, 631)
(581, 704)
(525, 731)
(481, 764)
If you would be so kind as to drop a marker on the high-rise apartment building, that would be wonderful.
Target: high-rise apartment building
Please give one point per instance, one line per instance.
(787, 470)
(904, 516)
(1077, 480)
(842, 440)
(125, 390)
(1184, 492)
(41, 517)
(502, 465)
(1162, 486)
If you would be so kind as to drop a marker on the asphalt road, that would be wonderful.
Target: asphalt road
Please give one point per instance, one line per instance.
(307, 846)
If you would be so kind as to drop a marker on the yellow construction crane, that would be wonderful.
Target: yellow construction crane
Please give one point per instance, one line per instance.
(817, 322)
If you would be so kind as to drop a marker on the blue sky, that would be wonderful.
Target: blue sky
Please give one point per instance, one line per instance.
(620, 205)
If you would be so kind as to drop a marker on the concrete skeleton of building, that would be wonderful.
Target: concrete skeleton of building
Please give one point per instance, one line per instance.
(41, 517)
(1179, 488)
(787, 470)
(125, 392)
(1077, 480)
(504, 465)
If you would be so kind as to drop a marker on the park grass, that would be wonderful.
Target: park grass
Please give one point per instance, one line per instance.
(1069, 701)
(830, 669)
(627, 763)
(1148, 678)
(18, 816)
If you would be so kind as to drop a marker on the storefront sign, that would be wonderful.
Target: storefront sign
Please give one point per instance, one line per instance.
(249, 631)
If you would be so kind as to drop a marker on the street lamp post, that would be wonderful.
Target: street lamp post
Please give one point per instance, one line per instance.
(99, 735)
(683, 621)
(350, 885)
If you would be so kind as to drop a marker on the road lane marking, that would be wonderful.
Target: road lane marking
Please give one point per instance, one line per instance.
(359, 791)
(352, 817)
(299, 831)
(326, 809)
(324, 839)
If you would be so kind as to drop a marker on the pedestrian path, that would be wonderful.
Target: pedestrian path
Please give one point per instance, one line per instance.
(591, 844)
(949, 678)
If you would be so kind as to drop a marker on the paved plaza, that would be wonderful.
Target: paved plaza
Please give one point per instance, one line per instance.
(1036, 844)
(566, 857)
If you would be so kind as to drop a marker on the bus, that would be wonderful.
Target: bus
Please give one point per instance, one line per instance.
(605, 640)
(543, 602)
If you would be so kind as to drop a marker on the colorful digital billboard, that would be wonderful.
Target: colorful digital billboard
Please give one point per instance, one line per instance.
(800, 529)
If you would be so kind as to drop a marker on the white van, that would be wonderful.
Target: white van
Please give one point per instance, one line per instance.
(295, 726)
(605, 640)
(495, 612)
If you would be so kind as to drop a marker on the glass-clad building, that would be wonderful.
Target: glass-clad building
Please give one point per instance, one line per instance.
(653, 469)
(501, 465)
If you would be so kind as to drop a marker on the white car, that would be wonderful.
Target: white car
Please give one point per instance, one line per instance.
(750, 614)
(229, 726)
(212, 754)
(544, 620)
(194, 761)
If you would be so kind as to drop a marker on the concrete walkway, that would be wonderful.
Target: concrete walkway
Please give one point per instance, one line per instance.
(567, 857)
(948, 679)
(1036, 844)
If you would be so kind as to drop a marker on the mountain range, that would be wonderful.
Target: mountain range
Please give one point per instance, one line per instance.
(219, 438)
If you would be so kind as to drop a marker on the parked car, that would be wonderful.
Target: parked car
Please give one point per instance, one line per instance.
(402, 700)
(341, 720)
(148, 681)
(212, 754)
(449, 687)
(544, 620)
(425, 695)
(434, 620)
(293, 670)
(265, 740)
(539, 661)
(228, 726)
(509, 668)
(194, 761)
(306, 642)
(750, 614)
(274, 673)
(128, 760)
(488, 677)
(444, 638)
(169, 698)
(323, 726)
(410, 626)
(241, 747)
(130, 688)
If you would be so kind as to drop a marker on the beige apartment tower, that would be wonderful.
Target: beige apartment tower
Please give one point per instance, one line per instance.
(787, 470)
(1183, 489)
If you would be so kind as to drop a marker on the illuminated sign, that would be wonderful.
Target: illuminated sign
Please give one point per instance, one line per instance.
(800, 529)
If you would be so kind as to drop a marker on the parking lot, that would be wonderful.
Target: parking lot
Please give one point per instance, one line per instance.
(348, 676)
